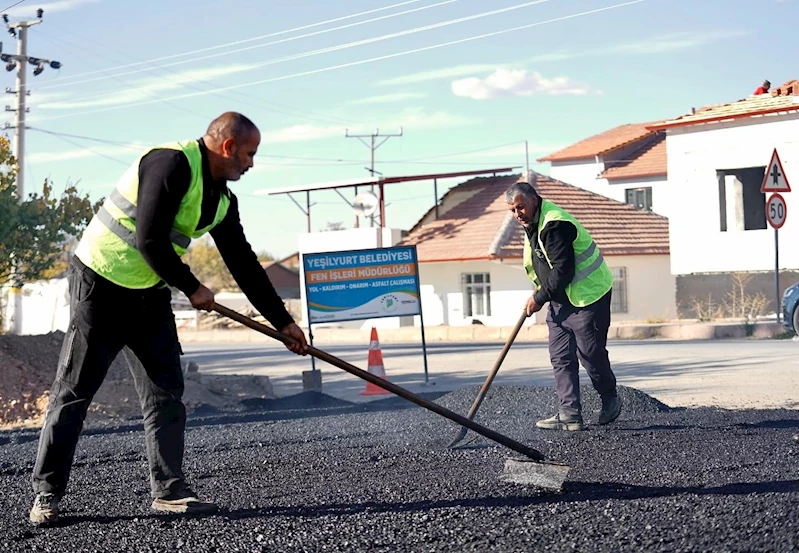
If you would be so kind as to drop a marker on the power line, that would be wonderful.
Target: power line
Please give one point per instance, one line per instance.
(127, 85)
(95, 152)
(362, 62)
(465, 153)
(287, 31)
(89, 138)
(318, 161)
(12, 5)
(282, 41)
(260, 105)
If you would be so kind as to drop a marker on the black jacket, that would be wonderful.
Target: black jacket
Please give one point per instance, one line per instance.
(558, 238)
(164, 178)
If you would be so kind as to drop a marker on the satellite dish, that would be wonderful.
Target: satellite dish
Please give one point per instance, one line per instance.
(365, 204)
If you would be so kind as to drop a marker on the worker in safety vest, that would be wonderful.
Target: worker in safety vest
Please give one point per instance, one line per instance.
(120, 300)
(568, 272)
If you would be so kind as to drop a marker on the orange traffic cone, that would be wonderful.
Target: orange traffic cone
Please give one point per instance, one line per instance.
(375, 367)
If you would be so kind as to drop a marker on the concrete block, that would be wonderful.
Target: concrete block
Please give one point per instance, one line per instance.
(768, 330)
(638, 332)
(460, 333)
(698, 331)
(730, 331)
(312, 381)
(409, 334)
(534, 333)
(488, 333)
(671, 331)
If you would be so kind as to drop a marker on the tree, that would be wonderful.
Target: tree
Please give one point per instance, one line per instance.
(34, 232)
(265, 256)
(208, 266)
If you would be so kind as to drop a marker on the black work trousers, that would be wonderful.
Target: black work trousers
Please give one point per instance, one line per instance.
(580, 335)
(104, 320)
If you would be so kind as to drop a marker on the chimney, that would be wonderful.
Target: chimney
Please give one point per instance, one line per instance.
(693, 111)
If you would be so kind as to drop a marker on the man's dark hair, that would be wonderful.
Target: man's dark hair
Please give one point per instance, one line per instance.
(230, 125)
(521, 187)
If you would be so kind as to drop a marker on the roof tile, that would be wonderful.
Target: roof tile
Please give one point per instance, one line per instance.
(469, 230)
(647, 161)
(784, 98)
(602, 143)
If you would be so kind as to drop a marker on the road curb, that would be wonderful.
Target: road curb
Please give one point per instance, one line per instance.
(480, 333)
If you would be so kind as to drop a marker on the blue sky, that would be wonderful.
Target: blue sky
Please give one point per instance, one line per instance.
(468, 81)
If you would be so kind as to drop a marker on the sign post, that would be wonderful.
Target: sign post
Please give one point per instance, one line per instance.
(363, 284)
(775, 182)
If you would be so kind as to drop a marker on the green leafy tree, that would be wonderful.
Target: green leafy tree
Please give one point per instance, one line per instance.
(35, 232)
(208, 266)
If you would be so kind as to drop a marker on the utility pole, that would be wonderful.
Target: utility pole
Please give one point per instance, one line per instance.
(19, 30)
(372, 147)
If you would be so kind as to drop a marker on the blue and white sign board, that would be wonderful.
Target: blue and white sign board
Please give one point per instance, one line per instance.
(362, 284)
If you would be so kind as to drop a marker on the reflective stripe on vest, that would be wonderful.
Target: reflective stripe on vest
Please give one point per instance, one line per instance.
(585, 256)
(590, 282)
(108, 245)
(128, 236)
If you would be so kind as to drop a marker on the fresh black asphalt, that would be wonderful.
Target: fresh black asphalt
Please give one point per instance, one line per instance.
(313, 473)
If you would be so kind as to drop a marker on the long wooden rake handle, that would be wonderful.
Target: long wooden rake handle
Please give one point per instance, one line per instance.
(386, 385)
(490, 378)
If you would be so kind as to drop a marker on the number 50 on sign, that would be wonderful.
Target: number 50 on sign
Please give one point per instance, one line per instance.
(776, 211)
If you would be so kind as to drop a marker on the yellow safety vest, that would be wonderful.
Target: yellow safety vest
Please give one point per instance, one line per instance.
(108, 245)
(592, 277)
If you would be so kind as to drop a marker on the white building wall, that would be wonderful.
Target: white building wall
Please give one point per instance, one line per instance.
(443, 301)
(45, 306)
(695, 153)
(617, 190)
(650, 290)
(582, 173)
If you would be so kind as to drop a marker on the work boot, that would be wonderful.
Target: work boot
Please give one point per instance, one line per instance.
(183, 502)
(45, 509)
(611, 408)
(570, 423)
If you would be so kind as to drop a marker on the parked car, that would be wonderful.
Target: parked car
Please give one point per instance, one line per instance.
(790, 308)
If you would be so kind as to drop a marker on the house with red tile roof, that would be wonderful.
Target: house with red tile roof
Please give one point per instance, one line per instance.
(470, 253)
(714, 160)
(626, 163)
(718, 158)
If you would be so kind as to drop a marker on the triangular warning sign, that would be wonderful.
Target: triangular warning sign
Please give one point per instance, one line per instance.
(775, 180)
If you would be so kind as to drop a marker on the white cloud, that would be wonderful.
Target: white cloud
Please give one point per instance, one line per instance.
(388, 98)
(437, 74)
(52, 7)
(409, 118)
(518, 82)
(656, 45)
(145, 89)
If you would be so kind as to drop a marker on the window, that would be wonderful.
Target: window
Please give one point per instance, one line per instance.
(618, 297)
(742, 206)
(640, 197)
(476, 294)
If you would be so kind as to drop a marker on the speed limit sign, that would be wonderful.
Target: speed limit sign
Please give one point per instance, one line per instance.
(776, 211)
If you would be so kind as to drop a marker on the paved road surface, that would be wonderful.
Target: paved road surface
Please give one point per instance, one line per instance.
(724, 373)
(313, 474)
